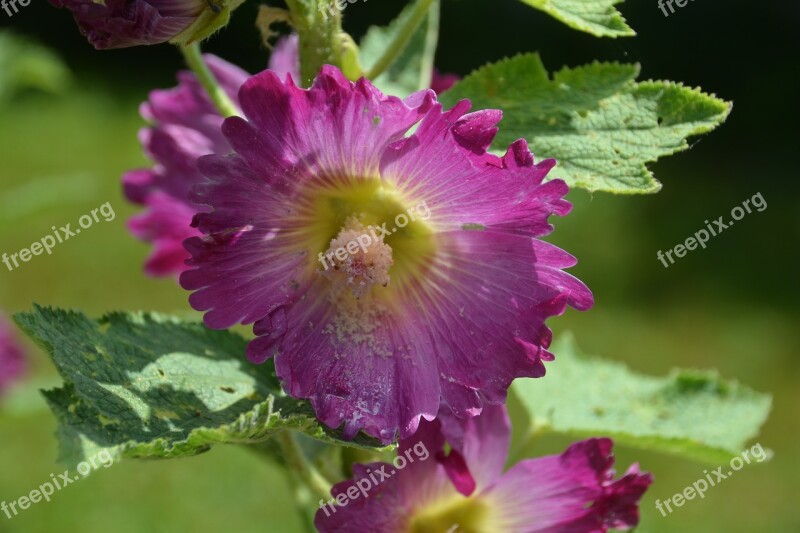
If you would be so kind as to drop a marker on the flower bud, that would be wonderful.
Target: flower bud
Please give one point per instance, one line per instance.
(124, 23)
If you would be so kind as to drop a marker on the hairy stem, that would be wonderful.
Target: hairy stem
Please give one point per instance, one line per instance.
(303, 500)
(302, 468)
(195, 60)
(319, 26)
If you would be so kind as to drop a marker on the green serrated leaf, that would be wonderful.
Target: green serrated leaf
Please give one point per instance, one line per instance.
(689, 413)
(598, 123)
(598, 17)
(413, 69)
(148, 385)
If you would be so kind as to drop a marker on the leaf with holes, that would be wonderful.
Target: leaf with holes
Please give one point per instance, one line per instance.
(147, 385)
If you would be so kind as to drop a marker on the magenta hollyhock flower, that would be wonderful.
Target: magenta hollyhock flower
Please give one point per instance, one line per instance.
(383, 271)
(185, 126)
(13, 363)
(123, 23)
(465, 488)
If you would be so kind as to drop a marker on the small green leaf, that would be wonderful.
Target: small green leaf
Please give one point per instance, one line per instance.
(689, 413)
(147, 385)
(598, 123)
(598, 17)
(25, 64)
(351, 67)
(413, 68)
(46, 192)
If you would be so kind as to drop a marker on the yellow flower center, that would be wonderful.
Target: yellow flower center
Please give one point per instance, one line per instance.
(357, 259)
(370, 231)
(371, 243)
(459, 515)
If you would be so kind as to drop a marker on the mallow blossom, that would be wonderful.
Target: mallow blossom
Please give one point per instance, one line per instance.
(462, 486)
(13, 362)
(449, 308)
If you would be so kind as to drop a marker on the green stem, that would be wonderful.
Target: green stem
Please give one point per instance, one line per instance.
(431, 43)
(402, 38)
(299, 464)
(320, 30)
(194, 59)
(302, 498)
(303, 501)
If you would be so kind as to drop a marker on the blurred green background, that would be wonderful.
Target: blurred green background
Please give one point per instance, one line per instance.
(732, 306)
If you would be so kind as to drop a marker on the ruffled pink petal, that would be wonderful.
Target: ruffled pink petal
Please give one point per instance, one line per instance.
(391, 495)
(137, 184)
(483, 442)
(571, 492)
(382, 384)
(166, 224)
(188, 105)
(446, 159)
(186, 125)
(488, 327)
(382, 509)
(337, 128)
(247, 265)
(176, 150)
